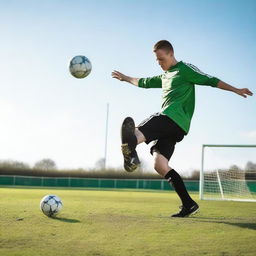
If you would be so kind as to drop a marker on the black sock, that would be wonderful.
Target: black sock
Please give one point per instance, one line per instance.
(174, 178)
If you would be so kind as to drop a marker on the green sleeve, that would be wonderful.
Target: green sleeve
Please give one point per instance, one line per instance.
(151, 82)
(196, 76)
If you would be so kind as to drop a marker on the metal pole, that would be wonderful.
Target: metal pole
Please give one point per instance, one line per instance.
(106, 137)
(201, 182)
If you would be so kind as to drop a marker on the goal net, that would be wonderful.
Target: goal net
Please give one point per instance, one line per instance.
(228, 172)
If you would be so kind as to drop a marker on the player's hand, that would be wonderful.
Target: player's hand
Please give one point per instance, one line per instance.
(119, 76)
(244, 92)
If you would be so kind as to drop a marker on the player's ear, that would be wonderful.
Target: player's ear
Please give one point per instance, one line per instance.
(171, 53)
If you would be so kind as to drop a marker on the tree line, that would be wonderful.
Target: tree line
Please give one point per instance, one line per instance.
(48, 168)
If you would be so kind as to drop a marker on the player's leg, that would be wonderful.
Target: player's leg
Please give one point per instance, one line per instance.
(166, 133)
(140, 136)
(189, 206)
(130, 137)
(162, 153)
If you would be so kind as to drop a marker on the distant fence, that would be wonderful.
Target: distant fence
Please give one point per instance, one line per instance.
(99, 183)
(92, 183)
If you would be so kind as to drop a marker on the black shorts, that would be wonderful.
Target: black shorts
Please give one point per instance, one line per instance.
(163, 131)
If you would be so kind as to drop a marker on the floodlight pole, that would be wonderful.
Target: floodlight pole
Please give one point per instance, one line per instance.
(106, 137)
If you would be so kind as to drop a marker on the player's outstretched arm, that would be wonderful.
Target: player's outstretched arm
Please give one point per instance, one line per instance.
(242, 92)
(122, 77)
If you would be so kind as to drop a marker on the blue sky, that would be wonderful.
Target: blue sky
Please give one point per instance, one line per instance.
(45, 112)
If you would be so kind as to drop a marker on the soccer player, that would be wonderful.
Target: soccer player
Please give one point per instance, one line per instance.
(172, 123)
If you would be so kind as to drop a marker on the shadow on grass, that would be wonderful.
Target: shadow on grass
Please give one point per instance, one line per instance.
(233, 222)
(244, 225)
(68, 220)
(241, 223)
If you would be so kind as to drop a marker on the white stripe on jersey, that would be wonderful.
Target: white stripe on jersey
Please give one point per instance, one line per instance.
(196, 69)
(149, 118)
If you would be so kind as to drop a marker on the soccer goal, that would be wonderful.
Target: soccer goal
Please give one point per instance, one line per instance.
(228, 172)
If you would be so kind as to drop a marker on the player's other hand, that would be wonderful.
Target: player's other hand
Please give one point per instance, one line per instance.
(118, 75)
(244, 92)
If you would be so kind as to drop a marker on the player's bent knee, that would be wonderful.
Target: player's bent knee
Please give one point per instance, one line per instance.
(161, 163)
(161, 168)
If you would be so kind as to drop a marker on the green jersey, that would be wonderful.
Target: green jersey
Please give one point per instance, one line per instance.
(178, 85)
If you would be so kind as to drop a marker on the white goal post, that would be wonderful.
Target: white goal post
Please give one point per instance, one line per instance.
(219, 182)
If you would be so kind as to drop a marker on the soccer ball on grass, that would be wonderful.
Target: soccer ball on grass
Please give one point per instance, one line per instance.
(80, 66)
(51, 205)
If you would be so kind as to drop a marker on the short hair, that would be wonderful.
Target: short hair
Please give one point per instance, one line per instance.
(163, 45)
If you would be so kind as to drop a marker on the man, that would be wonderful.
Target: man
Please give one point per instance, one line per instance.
(172, 123)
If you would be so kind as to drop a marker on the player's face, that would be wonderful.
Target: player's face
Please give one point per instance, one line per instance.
(164, 59)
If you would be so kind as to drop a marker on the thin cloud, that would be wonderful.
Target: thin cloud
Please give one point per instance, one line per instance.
(250, 134)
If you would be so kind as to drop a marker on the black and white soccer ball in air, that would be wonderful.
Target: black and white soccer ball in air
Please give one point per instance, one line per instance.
(80, 66)
(51, 205)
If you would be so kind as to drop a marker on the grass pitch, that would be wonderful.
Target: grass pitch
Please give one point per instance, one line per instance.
(123, 223)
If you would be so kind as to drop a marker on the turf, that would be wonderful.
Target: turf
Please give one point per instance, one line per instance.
(109, 223)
